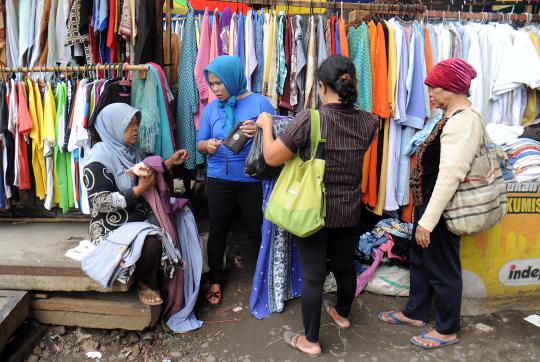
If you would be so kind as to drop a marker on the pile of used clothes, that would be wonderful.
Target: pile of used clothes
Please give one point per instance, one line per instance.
(387, 243)
(520, 161)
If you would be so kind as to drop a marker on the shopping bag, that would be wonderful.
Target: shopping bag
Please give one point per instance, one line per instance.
(297, 202)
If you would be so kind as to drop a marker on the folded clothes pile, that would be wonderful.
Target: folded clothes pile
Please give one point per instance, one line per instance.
(523, 153)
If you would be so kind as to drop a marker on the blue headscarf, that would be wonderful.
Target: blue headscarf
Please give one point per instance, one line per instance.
(230, 71)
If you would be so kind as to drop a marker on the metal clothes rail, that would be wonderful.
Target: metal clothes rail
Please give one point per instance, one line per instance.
(398, 8)
(84, 68)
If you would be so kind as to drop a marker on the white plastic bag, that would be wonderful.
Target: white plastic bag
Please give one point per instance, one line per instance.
(390, 280)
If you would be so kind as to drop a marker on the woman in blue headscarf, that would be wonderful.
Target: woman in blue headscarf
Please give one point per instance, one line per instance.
(228, 185)
(116, 198)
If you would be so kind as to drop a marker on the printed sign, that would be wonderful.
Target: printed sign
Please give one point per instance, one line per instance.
(520, 272)
(504, 261)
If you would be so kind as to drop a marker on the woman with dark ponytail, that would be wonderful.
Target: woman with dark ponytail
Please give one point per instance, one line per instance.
(348, 133)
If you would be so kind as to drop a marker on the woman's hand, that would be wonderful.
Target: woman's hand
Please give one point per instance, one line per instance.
(177, 158)
(144, 184)
(249, 129)
(422, 236)
(264, 121)
(212, 146)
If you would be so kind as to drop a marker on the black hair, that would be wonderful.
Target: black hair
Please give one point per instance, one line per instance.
(338, 73)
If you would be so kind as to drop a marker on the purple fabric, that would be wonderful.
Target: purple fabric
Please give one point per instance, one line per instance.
(224, 21)
(155, 163)
(363, 279)
(159, 200)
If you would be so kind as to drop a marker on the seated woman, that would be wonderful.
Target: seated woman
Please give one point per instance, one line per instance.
(228, 184)
(115, 197)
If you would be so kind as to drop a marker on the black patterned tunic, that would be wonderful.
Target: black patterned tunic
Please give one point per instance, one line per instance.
(109, 208)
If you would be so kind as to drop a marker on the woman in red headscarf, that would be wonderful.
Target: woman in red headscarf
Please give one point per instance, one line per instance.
(443, 160)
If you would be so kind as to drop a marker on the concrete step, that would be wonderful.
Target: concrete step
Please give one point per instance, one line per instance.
(95, 310)
(33, 258)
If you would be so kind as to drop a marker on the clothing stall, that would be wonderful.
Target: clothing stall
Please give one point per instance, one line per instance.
(280, 43)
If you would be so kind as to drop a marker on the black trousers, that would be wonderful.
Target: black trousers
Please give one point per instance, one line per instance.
(336, 245)
(435, 274)
(147, 267)
(223, 196)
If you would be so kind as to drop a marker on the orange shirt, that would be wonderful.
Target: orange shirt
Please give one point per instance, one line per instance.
(343, 45)
(24, 126)
(429, 53)
(380, 80)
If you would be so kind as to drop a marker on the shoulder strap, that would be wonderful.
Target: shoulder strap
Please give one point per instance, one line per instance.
(315, 131)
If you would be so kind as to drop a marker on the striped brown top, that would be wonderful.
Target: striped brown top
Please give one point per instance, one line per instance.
(348, 133)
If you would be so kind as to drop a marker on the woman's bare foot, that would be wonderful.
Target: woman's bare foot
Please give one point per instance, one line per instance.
(147, 295)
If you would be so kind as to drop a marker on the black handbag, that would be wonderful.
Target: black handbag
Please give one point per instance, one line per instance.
(236, 139)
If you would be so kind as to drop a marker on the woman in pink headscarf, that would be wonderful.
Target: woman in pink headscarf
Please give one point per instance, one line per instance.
(443, 160)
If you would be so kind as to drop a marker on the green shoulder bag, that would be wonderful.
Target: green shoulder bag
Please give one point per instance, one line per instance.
(297, 202)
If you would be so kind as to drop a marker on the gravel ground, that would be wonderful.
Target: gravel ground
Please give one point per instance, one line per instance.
(230, 333)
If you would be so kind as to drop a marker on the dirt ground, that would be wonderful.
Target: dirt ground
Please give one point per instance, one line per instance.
(234, 335)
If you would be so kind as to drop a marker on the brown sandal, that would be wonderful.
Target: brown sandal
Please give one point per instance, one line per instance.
(328, 306)
(291, 338)
(210, 295)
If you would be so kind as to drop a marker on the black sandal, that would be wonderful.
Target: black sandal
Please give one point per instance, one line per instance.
(210, 295)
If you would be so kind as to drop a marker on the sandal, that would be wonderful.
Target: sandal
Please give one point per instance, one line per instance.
(395, 320)
(328, 305)
(213, 295)
(441, 343)
(291, 338)
(144, 295)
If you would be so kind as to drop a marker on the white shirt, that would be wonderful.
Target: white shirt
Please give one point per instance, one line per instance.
(251, 55)
(12, 34)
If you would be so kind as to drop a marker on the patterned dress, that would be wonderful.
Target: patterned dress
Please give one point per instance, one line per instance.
(109, 208)
(188, 95)
(359, 53)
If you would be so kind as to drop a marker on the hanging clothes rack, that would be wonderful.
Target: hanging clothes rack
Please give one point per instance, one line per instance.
(398, 8)
(84, 68)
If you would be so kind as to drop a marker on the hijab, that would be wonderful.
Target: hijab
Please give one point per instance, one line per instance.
(230, 71)
(112, 151)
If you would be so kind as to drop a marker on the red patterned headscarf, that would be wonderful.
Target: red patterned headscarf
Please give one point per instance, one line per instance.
(453, 75)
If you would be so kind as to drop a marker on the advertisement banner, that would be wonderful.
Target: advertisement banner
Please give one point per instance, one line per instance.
(504, 261)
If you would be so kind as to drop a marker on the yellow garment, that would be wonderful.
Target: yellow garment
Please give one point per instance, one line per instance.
(117, 15)
(198, 32)
(272, 56)
(536, 42)
(38, 160)
(133, 22)
(270, 36)
(392, 69)
(530, 109)
(49, 134)
(379, 208)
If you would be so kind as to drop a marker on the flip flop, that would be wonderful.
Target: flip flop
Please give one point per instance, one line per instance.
(290, 339)
(327, 305)
(396, 320)
(143, 293)
(210, 294)
(441, 343)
